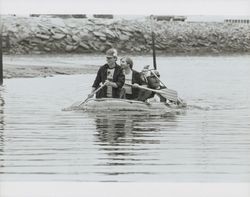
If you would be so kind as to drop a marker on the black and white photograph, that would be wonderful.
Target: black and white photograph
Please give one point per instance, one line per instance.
(108, 98)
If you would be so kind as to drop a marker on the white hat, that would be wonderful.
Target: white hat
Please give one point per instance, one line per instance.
(111, 53)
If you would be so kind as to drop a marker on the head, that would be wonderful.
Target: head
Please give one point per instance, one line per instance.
(155, 72)
(111, 56)
(126, 62)
(145, 71)
(153, 80)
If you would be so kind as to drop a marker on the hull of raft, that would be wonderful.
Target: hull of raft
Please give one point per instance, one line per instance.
(112, 104)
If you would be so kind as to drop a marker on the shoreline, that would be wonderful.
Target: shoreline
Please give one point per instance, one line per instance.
(19, 71)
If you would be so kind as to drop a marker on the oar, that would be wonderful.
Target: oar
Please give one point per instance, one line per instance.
(93, 93)
(178, 99)
(166, 93)
(76, 105)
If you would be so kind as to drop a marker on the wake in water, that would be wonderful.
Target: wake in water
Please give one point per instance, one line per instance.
(202, 108)
(216, 107)
(73, 107)
(180, 110)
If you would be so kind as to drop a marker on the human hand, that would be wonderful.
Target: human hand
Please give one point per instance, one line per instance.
(135, 85)
(110, 83)
(146, 67)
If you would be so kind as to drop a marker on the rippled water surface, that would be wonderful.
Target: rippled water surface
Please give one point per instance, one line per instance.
(209, 141)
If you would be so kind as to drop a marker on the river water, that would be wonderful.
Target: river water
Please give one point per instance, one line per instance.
(207, 142)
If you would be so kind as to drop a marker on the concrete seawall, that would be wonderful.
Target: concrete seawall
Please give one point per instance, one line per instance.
(31, 35)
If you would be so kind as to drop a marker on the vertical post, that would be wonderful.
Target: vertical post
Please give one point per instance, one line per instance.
(153, 41)
(154, 55)
(1, 59)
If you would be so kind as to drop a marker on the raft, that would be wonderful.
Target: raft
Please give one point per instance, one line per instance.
(113, 105)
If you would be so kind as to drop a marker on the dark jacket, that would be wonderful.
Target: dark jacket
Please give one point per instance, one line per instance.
(118, 78)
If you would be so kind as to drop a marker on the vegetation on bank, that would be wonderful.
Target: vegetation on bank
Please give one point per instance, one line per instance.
(27, 35)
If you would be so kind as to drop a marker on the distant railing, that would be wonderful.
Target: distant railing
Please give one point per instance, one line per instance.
(106, 16)
(63, 16)
(169, 18)
(244, 21)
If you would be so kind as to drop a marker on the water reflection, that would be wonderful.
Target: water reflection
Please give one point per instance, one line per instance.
(120, 130)
(208, 143)
(112, 131)
(127, 139)
(1, 108)
(1, 124)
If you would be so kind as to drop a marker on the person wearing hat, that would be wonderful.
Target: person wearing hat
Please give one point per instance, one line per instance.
(153, 81)
(131, 77)
(112, 74)
(150, 81)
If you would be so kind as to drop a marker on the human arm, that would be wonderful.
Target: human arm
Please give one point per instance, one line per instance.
(98, 79)
(119, 80)
(112, 84)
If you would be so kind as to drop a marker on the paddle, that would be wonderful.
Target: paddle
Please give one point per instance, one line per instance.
(76, 105)
(93, 93)
(178, 99)
(166, 93)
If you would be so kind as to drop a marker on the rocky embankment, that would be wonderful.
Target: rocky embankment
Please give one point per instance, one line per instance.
(29, 35)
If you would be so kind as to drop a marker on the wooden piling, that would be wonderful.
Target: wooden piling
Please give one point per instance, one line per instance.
(1, 60)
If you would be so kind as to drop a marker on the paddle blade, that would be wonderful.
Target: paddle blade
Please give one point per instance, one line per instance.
(169, 94)
(74, 106)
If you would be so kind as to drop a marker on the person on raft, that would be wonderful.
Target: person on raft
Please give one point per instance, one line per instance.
(131, 77)
(110, 74)
(150, 79)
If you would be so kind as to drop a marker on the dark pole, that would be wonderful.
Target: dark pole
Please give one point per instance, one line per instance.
(153, 47)
(1, 60)
(153, 41)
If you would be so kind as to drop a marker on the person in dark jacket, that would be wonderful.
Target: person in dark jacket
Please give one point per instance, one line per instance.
(131, 77)
(112, 74)
(150, 79)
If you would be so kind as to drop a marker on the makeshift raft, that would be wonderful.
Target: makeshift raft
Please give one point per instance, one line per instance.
(114, 105)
